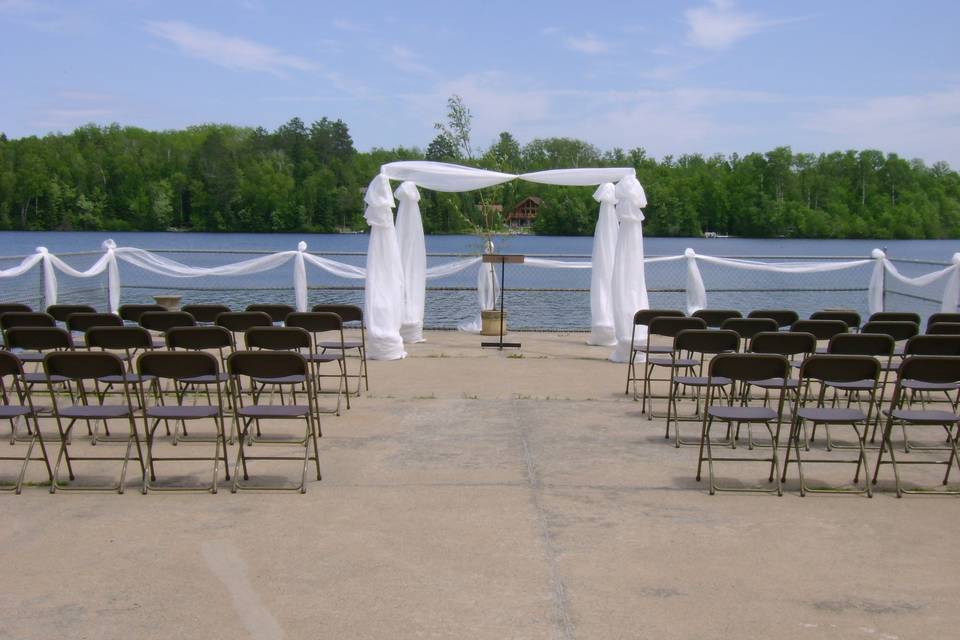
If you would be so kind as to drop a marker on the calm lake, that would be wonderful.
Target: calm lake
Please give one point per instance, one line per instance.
(536, 297)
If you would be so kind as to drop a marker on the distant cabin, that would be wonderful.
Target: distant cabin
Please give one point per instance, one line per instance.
(524, 213)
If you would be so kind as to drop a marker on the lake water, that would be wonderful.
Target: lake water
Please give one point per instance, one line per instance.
(536, 297)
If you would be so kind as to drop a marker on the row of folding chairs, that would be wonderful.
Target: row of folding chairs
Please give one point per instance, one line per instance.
(824, 325)
(782, 382)
(77, 319)
(172, 388)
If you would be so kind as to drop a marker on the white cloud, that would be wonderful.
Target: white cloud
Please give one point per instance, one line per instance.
(926, 126)
(406, 60)
(588, 43)
(719, 25)
(238, 54)
(67, 119)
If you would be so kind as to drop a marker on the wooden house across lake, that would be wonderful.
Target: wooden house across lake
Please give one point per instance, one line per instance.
(524, 213)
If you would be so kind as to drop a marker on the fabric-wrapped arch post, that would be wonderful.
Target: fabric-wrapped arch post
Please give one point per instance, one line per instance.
(629, 284)
(383, 290)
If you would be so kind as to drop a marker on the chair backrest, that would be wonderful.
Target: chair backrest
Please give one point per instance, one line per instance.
(38, 338)
(163, 321)
(125, 338)
(749, 327)
(896, 329)
(750, 367)
(932, 320)
(82, 365)
(786, 343)
(7, 307)
(863, 344)
(176, 365)
(670, 326)
(277, 312)
(895, 316)
(847, 316)
(783, 317)
(347, 312)
(840, 368)
(84, 320)
(10, 365)
(198, 338)
(132, 312)
(240, 321)
(61, 312)
(715, 317)
(205, 312)
(266, 364)
(26, 319)
(644, 316)
(315, 321)
(820, 329)
(936, 369)
(933, 345)
(706, 341)
(944, 328)
(277, 338)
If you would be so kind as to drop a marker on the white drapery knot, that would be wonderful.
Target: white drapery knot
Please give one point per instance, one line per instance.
(301, 246)
(955, 259)
(109, 244)
(407, 191)
(42, 250)
(379, 201)
(689, 253)
(630, 200)
(606, 193)
(878, 254)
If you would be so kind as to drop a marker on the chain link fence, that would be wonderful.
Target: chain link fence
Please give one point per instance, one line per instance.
(536, 298)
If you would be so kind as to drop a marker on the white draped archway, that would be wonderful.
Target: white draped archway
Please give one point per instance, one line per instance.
(396, 258)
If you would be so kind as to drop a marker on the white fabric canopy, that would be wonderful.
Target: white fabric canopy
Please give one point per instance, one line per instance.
(602, 331)
(628, 285)
(579, 177)
(441, 176)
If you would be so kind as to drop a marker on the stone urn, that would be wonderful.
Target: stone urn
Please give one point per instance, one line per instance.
(490, 323)
(168, 301)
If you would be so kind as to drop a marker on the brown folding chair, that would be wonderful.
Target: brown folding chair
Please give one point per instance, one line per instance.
(715, 317)
(17, 406)
(320, 325)
(238, 322)
(899, 330)
(125, 342)
(349, 314)
(254, 365)
(822, 330)
(207, 338)
(13, 319)
(666, 327)
(292, 339)
(895, 316)
(29, 344)
(783, 317)
(823, 369)
(205, 313)
(61, 312)
(642, 318)
(942, 317)
(746, 328)
(927, 393)
(923, 369)
(847, 316)
(78, 323)
(743, 368)
(877, 345)
(277, 312)
(697, 344)
(7, 307)
(132, 312)
(182, 367)
(943, 329)
(795, 346)
(83, 368)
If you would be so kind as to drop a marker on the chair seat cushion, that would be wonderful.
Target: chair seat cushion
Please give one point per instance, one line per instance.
(295, 379)
(831, 414)
(925, 416)
(855, 385)
(919, 385)
(95, 411)
(38, 377)
(28, 356)
(775, 383)
(274, 411)
(128, 377)
(207, 379)
(325, 357)
(12, 411)
(701, 381)
(676, 362)
(744, 414)
(347, 344)
(186, 412)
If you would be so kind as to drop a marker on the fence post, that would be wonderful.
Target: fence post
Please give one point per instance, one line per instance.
(884, 288)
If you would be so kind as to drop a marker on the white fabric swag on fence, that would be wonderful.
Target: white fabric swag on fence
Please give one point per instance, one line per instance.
(696, 294)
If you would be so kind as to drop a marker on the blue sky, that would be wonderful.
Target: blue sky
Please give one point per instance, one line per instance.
(704, 76)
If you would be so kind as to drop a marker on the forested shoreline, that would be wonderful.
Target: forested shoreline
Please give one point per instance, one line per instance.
(310, 178)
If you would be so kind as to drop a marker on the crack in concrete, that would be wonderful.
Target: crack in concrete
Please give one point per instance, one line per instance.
(558, 587)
